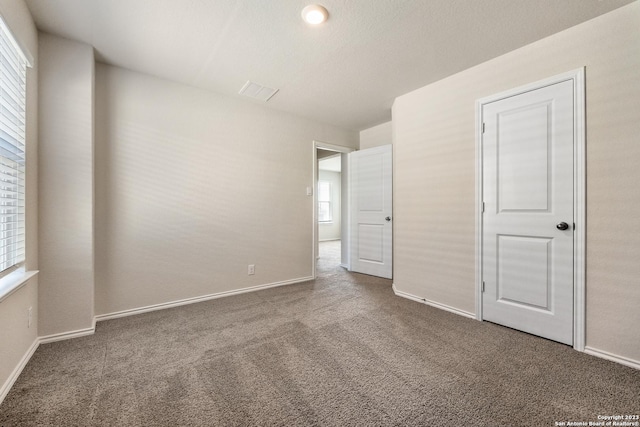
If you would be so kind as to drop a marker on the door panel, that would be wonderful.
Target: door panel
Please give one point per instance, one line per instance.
(523, 173)
(527, 150)
(370, 188)
(370, 174)
(523, 270)
(371, 242)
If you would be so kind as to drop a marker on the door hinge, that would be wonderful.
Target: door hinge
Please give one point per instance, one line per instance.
(482, 127)
(483, 286)
(574, 225)
(482, 207)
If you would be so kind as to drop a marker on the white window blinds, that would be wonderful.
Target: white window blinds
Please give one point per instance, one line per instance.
(13, 71)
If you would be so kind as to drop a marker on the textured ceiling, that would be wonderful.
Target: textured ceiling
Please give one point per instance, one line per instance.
(346, 72)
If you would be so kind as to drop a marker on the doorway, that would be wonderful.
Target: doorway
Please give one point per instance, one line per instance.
(331, 205)
(530, 210)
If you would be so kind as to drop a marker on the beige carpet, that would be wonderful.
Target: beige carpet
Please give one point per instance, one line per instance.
(342, 350)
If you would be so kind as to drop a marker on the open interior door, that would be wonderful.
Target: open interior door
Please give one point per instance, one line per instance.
(370, 188)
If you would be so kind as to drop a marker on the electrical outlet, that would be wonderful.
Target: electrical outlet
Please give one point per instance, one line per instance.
(252, 269)
(30, 316)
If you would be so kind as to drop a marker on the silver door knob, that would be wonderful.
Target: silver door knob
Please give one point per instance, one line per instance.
(388, 219)
(562, 226)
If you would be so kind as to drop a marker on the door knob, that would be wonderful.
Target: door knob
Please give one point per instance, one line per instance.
(562, 226)
(388, 219)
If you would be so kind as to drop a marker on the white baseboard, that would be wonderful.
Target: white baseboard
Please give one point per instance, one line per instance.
(4, 390)
(589, 350)
(68, 335)
(612, 357)
(162, 306)
(432, 303)
(89, 331)
(18, 370)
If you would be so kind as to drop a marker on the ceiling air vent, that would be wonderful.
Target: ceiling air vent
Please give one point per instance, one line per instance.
(256, 91)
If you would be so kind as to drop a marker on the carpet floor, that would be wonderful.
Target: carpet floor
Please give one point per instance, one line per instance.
(340, 350)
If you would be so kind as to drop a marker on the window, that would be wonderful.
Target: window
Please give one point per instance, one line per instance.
(324, 202)
(13, 75)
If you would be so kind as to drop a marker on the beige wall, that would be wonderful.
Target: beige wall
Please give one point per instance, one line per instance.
(435, 166)
(15, 335)
(376, 136)
(66, 185)
(332, 230)
(191, 187)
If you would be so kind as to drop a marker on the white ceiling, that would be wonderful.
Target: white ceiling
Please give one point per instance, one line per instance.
(346, 72)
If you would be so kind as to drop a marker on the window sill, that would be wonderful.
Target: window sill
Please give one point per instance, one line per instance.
(14, 281)
(325, 222)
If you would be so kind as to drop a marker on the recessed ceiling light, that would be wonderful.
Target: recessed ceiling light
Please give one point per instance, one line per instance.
(314, 14)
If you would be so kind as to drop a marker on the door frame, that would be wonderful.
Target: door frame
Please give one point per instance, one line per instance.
(344, 199)
(577, 77)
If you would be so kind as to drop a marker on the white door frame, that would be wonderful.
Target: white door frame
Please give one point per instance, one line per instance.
(338, 149)
(579, 194)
